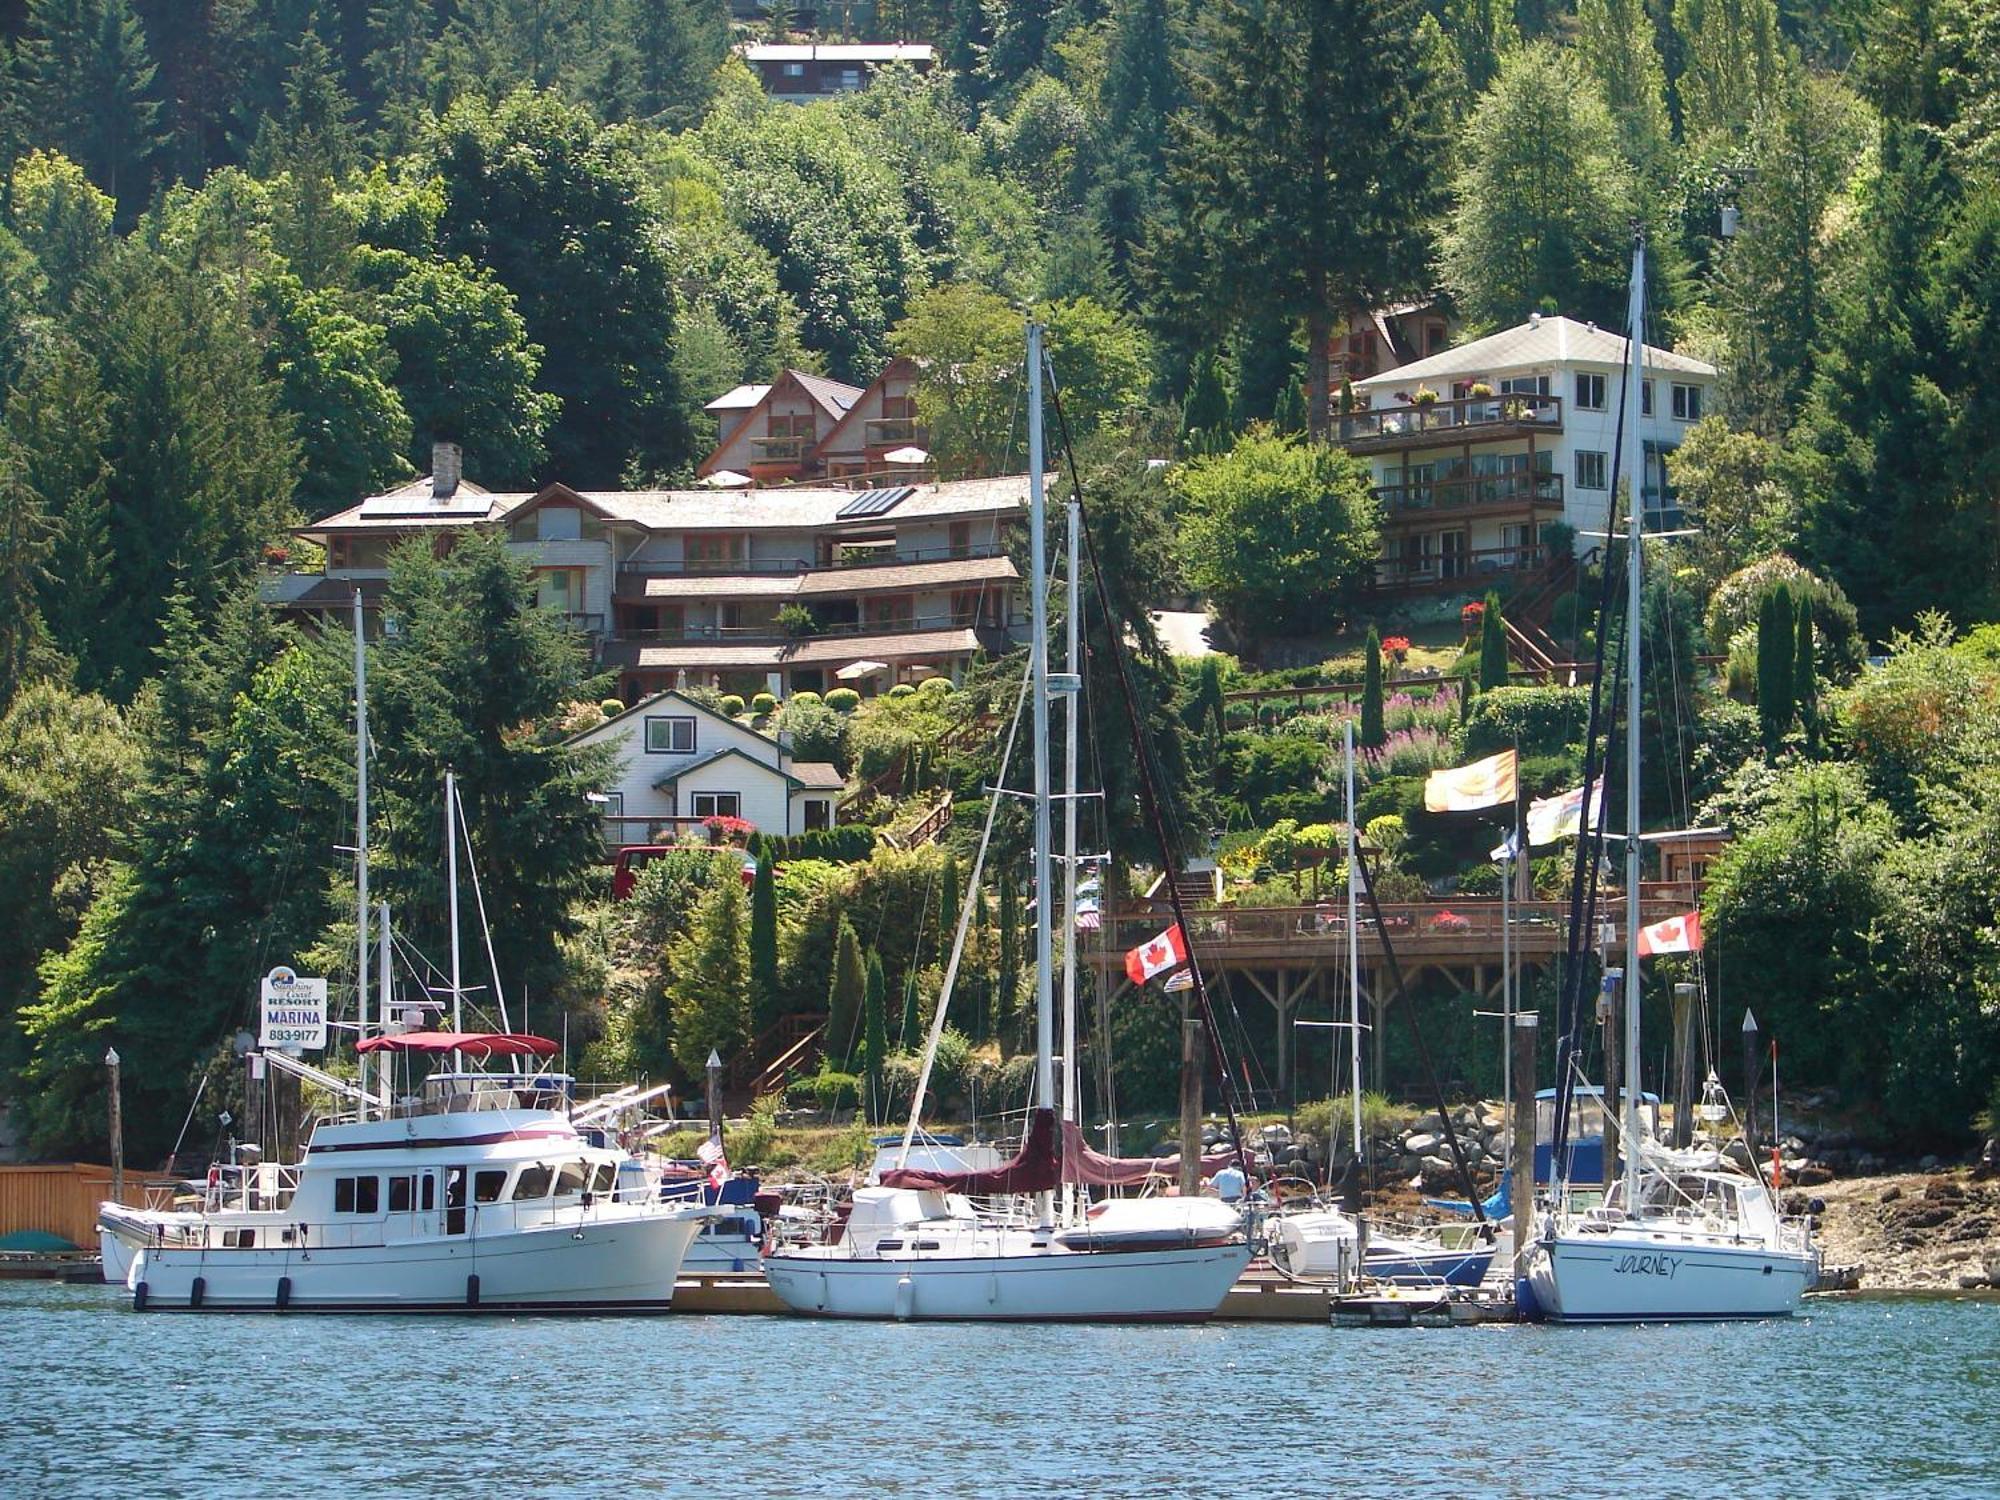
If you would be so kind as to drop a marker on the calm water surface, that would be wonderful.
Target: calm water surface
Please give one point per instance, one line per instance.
(1879, 1397)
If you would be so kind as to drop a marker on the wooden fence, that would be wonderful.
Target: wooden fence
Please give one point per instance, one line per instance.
(62, 1197)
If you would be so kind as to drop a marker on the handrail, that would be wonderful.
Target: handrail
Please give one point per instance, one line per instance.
(771, 634)
(1520, 409)
(1461, 491)
(711, 567)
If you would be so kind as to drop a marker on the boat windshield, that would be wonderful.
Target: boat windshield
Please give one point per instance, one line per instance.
(463, 1093)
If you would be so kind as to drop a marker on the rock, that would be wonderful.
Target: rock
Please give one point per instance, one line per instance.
(1432, 1123)
(1437, 1169)
(1739, 1153)
(1890, 1194)
(1424, 1144)
(1277, 1135)
(1813, 1174)
(1973, 1280)
(1943, 1190)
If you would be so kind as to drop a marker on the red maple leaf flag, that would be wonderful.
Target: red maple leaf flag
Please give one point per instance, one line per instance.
(1675, 935)
(1167, 951)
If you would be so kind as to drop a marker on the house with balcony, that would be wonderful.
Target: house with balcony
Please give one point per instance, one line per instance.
(803, 427)
(800, 72)
(1476, 449)
(746, 591)
(679, 763)
(1378, 339)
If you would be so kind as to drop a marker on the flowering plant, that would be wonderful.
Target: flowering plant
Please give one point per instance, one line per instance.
(1396, 647)
(723, 828)
(1472, 616)
(1449, 921)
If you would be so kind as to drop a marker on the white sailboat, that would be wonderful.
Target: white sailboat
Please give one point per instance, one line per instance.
(475, 1191)
(1681, 1236)
(918, 1247)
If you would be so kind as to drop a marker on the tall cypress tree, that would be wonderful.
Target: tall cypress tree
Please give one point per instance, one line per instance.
(764, 997)
(844, 994)
(1492, 646)
(1805, 674)
(1777, 650)
(874, 1038)
(1371, 733)
(1007, 990)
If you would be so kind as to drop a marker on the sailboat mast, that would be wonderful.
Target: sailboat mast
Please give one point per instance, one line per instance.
(1072, 1108)
(1635, 469)
(360, 851)
(1038, 667)
(451, 897)
(382, 1000)
(1353, 941)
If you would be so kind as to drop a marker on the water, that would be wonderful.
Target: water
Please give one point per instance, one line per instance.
(1864, 1397)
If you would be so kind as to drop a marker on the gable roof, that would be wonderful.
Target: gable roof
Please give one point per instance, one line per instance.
(902, 367)
(830, 396)
(818, 775)
(653, 703)
(1543, 341)
(739, 398)
(669, 778)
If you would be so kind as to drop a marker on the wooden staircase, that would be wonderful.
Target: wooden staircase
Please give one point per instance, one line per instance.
(926, 830)
(785, 1044)
(1528, 612)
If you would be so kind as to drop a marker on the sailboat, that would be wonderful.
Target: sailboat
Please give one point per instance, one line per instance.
(1323, 1241)
(916, 1246)
(1682, 1236)
(473, 1190)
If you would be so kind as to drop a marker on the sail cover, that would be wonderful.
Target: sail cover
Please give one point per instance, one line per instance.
(1034, 1170)
(1081, 1164)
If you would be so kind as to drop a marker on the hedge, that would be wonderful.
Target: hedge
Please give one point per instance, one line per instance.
(848, 844)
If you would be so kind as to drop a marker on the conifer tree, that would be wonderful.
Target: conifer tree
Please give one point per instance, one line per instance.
(907, 1031)
(1492, 646)
(874, 1038)
(1805, 673)
(949, 901)
(1205, 416)
(1777, 650)
(764, 993)
(1370, 733)
(87, 86)
(708, 998)
(844, 994)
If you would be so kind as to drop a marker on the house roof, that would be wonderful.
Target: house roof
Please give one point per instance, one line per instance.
(1543, 341)
(872, 52)
(652, 703)
(877, 576)
(902, 367)
(916, 645)
(677, 586)
(669, 778)
(818, 775)
(742, 398)
(830, 396)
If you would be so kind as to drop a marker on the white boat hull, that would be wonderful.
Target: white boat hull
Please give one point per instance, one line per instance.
(1176, 1285)
(603, 1263)
(1610, 1278)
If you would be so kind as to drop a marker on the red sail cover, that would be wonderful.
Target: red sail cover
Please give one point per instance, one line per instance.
(1081, 1164)
(1034, 1170)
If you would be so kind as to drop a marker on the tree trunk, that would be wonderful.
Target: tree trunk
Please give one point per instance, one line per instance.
(1319, 402)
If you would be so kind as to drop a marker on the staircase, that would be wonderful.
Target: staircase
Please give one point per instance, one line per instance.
(786, 1043)
(1199, 884)
(1528, 612)
(926, 830)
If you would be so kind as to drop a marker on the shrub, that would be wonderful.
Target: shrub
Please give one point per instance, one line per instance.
(1539, 720)
(843, 700)
(934, 687)
(818, 733)
(796, 622)
(1738, 598)
(731, 706)
(804, 696)
(848, 844)
(763, 703)
(611, 708)
(1414, 752)
(903, 690)
(826, 1089)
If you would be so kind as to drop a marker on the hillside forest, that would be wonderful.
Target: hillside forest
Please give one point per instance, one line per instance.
(257, 256)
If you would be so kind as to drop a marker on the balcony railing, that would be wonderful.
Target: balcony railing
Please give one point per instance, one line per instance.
(769, 633)
(1450, 421)
(780, 565)
(778, 450)
(1456, 570)
(1461, 491)
(891, 432)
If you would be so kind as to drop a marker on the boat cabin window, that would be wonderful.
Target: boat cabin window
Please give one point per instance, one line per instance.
(607, 1177)
(357, 1195)
(533, 1182)
(571, 1181)
(888, 1244)
(429, 1194)
(399, 1194)
(487, 1185)
(239, 1239)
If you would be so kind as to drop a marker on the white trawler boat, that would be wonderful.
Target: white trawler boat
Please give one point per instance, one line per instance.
(1682, 1236)
(478, 1193)
(919, 1246)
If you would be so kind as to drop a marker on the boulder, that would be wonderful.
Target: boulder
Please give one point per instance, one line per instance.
(1424, 1143)
(1890, 1194)
(1813, 1174)
(1437, 1169)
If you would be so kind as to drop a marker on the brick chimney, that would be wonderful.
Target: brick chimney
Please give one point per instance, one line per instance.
(446, 459)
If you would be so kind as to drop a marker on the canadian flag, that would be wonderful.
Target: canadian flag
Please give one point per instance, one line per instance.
(1167, 951)
(1675, 935)
(710, 1153)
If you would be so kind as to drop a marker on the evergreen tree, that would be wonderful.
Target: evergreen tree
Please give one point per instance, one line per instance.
(949, 900)
(1735, 60)
(1371, 733)
(87, 89)
(398, 70)
(844, 995)
(679, 45)
(874, 1039)
(765, 997)
(907, 1033)
(1615, 46)
(1481, 31)
(1493, 662)
(1777, 651)
(709, 995)
(27, 539)
(63, 220)
(1298, 149)
(1205, 415)
(1805, 674)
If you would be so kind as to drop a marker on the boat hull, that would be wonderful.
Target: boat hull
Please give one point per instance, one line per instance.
(1616, 1279)
(1430, 1267)
(1175, 1286)
(615, 1263)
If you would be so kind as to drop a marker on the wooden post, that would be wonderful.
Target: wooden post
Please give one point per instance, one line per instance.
(1750, 1084)
(117, 1128)
(1607, 1019)
(1527, 1030)
(714, 1096)
(1684, 1070)
(1190, 1103)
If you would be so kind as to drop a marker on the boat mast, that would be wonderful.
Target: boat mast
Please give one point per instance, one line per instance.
(1353, 942)
(1072, 1108)
(451, 899)
(1635, 470)
(1038, 667)
(383, 951)
(360, 852)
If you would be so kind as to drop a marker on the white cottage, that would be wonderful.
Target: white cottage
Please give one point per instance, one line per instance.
(680, 762)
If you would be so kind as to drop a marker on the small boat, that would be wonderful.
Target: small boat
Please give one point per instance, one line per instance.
(1318, 1244)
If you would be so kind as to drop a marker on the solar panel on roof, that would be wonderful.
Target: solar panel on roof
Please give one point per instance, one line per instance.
(874, 503)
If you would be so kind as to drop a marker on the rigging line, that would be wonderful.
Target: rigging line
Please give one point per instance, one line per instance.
(479, 900)
(965, 914)
(1149, 797)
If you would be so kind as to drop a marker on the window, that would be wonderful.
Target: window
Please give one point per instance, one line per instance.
(1645, 398)
(961, 538)
(1525, 385)
(486, 1186)
(430, 1193)
(614, 817)
(715, 804)
(819, 814)
(559, 590)
(357, 1195)
(1591, 470)
(533, 1182)
(670, 734)
(795, 70)
(399, 1194)
(570, 1181)
(558, 523)
(713, 549)
(1589, 392)
(343, 1195)
(1687, 403)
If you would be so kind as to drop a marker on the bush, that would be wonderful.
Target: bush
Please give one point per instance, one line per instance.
(848, 844)
(611, 708)
(804, 696)
(731, 706)
(818, 733)
(1737, 599)
(934, 687)
(763, 703)
(1539, 720)
(826, 1089)
(903, 690)
(796, 622)
(843, 700)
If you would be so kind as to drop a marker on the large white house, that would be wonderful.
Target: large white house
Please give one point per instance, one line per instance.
(679, 763)
(1477, 448)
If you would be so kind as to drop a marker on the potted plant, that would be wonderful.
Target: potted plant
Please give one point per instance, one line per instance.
(1472, 617)
(1479, 390)
(1396, 648)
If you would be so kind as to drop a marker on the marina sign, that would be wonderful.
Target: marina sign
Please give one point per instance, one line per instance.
(293, 1013)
